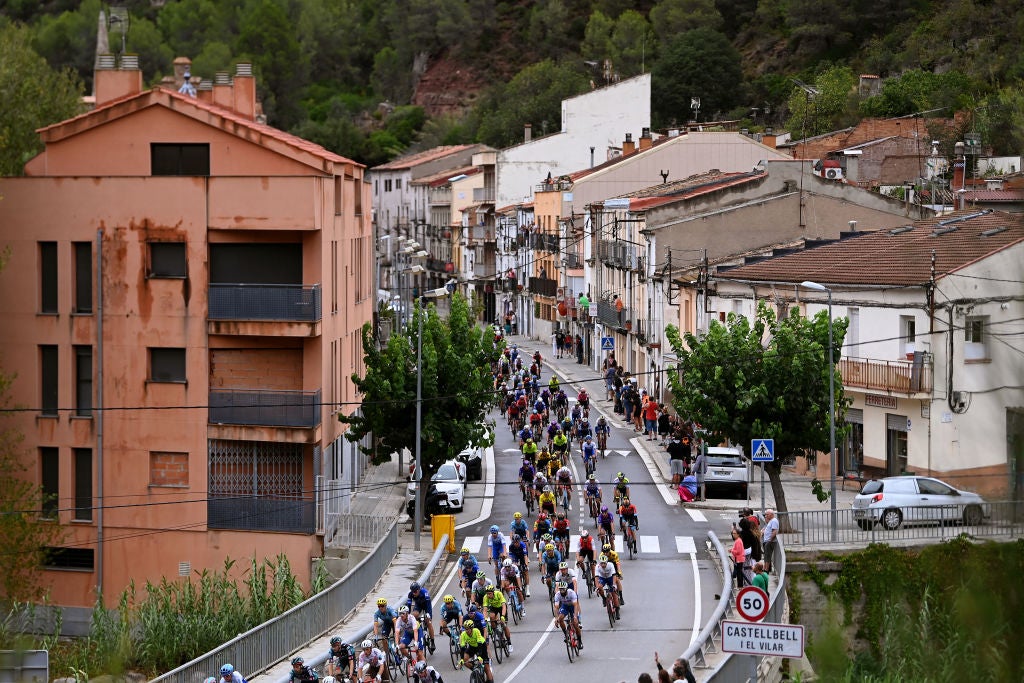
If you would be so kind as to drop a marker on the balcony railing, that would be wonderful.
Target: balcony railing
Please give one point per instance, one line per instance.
(264, 302)
(249, 513)
(546, 242)
(483, 270)
(483, 194)
(481, 232)
(609, 316)
(572, 261)
(900, 376)
(543, 286)
(441, 196)
(265, 408)
(618, 255)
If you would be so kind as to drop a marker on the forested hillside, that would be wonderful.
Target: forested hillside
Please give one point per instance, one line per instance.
(370, 78)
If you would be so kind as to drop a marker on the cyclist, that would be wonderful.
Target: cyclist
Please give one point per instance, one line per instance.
(606, 576)
(518, 526)
(384, 620)
(529, 449)
(541, 527)
(549, 561)
(601, 430)
(563, 479)
(423, 609)
(537, 423)
(513, 413)
(302, 673)
(451, 611)
(543, 459)
(561, 403)
(553, 385)
(473, 641)
(497, 545)
(510, 578)
(474, 613)
(577, 414)
(559, 444)
(480, 587)
(341, 659)
(621, 487)
(371, 662)
(468, 567)
(407, 630)
(497, 610)
(540, 480)
(604, 525)
(525, 435)
(541, 407)
(553, 429)
(592, 492)
(519, 553)
(583, 430)
(568, 604)
(613, 557)
(424, 673)
(585, 551)
(526, 473)
(567, 575)
(628, 516)
(555, 464)
(547, 501)
(561, 532)
(229, 675)
(583, 400)
(589, 449)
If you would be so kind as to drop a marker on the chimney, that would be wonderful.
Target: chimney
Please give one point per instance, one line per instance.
(111, 83)
(527, 132)
(182, 65)
(628, 146)
(204, 91)
(646, 141)
(768, 137)
(222, 96)
(245, 91)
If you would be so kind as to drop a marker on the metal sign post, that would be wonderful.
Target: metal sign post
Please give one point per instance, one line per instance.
(762, 451)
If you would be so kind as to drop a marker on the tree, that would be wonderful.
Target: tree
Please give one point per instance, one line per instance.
(833, 107)
(766, 378)
(267, 36)
(632, 44)
(32, 95)
(699, 63)
(457, 390)
(672, 17)
(597, 38)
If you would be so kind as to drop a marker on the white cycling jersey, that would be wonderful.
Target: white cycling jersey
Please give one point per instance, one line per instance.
(605, 570)
(510, 573)
(569, 598)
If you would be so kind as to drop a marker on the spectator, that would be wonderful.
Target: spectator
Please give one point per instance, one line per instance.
(618, 384)
(760, 577)
(770, 538)
(618, 308)
(736, 551)
(651, 419)
(681, 671)
(579, 348)
(664, 424)
(676, 460)
(700, 468)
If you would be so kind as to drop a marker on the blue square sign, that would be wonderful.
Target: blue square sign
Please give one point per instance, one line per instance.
(762, 450)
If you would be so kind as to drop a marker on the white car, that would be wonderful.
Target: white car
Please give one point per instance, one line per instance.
(451, 479)
(727, 469)
(893, 500)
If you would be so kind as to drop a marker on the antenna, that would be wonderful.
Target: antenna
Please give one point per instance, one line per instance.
(664, 177)
(695, 106)
(810, 92)
(120, 21)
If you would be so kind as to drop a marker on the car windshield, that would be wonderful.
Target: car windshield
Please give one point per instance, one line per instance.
(725, 461)
(872, 487)
(446, 472)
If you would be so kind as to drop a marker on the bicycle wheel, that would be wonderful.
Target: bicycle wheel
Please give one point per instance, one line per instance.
(453, 651)
(476, 676)
(631, 545)
(569, 649)
(513, 600)
(498, 637)
(610, 608)
(590, 580)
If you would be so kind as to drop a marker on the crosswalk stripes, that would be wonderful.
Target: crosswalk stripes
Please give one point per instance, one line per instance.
(650, 545)
(685, 544)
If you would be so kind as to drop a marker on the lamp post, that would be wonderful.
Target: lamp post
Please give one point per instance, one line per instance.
(831, 403)
(417, 524)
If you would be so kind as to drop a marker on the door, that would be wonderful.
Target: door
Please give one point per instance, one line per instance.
(940, 501)
(895, 444)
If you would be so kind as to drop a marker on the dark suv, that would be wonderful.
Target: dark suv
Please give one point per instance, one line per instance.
(474, 463)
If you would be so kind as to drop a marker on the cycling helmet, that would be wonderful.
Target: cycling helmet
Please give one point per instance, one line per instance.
(336, 640)
(490, 588)
(562, 585)
(529, 439)
(494, 529)
(473, 607)
(507, 562)
(588, 437)
(560, 515)
(563, 565)
(584, 533)
(468, 624)
(625, 501)
(211, 679)
(404, 609)
(382, 602)
(547, 537)
(449, 598)
(604, 508)
(366, 644)
(606, 547)
(414, 586)
(620, 475)
(541, 516)
(547, 489)
(518, 515)
(421, 666)
(602, 558)
(298, 660)
(480, 576)
(516, 538)
(592, 477)
(227, 670)
(464, 551)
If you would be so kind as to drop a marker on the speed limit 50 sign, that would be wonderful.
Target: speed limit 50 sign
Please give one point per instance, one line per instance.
(752, 603)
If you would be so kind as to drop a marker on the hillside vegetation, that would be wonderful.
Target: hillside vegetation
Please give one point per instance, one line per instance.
(370, 78)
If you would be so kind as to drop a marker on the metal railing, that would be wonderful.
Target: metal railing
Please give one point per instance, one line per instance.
(609, 316)
(252, 513)
(901, 376)
(548, 242)
(483, 194)
(334, 500)
(543, 286)
(264, 302)
(359, 530)
(705, 641)
(813, 528)
(270, 642)
(483, 270)
(265, 408)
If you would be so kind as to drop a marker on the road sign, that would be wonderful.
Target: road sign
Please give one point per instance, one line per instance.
(752, 603)
(762, 450)
(607, 343)
(764, 640)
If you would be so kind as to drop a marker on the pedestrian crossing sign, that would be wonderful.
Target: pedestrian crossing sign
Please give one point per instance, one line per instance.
(762, 450)
(607, 343)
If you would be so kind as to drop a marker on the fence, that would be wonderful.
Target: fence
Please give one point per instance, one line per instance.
(272, 641)
(334, 500)
(705, 642)
(265, 408)
(902, 376)
(813, 528)
(264, 302)
(361, 531)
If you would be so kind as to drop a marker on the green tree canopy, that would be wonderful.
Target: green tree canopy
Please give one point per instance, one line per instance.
(672, 17)
(32, 95)
(833, 107)
(699, 63)
(457, 389)
(917, 91)
(761, 378)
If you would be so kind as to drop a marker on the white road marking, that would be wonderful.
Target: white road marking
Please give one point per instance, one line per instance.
(650, 544)
(696, 596)
(670, 496)
(485, 508)
(510, 450)
(533, 651)
(696, 515)
(685, 544)
(474, 543)
(624, 454)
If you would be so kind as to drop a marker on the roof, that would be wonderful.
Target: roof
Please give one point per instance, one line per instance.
(172, 99)
(444, 177)
(696, 185)
(994, 195)
(900, 256)
(417, 158)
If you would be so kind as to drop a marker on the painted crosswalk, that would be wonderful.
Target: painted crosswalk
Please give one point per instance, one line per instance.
(649, 544)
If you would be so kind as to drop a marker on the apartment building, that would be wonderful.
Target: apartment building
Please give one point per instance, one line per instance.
(182, 307)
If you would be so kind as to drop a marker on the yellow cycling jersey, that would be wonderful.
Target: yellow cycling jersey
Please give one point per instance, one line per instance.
(613, 556)
(494, 600)
(529, 448)
(560, 440)
(471, 638)
(547, 498)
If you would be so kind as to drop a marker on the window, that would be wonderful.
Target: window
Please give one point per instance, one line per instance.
(167, 259)
(853, 332)
(82, 252)
(976, 337)
(83, 381)
(908, 334)
(48, 377)
(47, 277)
(49, 478)
(387, 185)
(166, 365)
(339, 194)
(180, 159)
(398, 183)
(69, 558)
(83, 484)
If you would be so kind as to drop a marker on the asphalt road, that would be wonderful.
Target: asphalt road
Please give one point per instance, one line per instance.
(669, 587)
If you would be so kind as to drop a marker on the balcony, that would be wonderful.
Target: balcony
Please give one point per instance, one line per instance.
(543, 286)
(483, 270)
(250, 513)
(546, 242)
(265, 408)
(481, 233)
(441, 196)
(890, 376)
(617, 255)
(260, 310)
(610, 317)
(483, 194)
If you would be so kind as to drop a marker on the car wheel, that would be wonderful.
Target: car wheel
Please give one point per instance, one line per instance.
(865, 524)
(892, 518)
(972, 515)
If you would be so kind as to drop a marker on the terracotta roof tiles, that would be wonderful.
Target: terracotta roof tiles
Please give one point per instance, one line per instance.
(416, 158)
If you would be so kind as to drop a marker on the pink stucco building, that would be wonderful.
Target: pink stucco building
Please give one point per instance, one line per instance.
(182, 307)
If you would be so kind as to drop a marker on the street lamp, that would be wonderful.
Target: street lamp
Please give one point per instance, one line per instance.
(807, 284)
(417, 524)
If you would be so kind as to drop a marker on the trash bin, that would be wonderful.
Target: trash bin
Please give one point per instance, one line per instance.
(441, 525)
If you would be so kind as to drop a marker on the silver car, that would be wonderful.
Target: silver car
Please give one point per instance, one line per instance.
(894, 500)
(451, 479)
(727, 469)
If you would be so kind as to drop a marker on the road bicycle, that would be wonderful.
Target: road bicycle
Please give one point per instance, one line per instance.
(629, 538)
(477, 673)
(611, 605)
(453, 645)
(392, 658)
(572, 640)
(496, 631)
(590, 464)
(515, 605)
(594, 503)
(602, 443)
(564, 498)
(588, 575)
(528, 498)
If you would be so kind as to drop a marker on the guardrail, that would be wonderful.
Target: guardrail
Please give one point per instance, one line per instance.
(270, 642)
(813, 528)
(705, 642)
(359, 530)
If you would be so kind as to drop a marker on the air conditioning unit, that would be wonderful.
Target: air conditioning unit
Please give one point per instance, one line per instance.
(834, 173)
